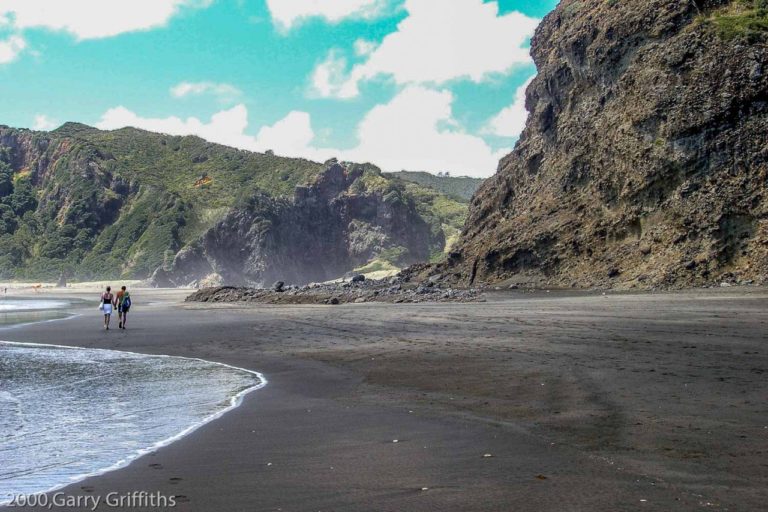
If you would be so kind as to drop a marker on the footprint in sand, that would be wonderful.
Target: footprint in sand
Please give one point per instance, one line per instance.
(156, 466)
(174, 480)
(180, 498)
(86, 488)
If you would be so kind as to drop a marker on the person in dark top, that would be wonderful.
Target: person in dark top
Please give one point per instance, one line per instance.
(107, 301)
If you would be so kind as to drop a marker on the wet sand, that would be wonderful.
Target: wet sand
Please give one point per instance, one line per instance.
(584, 403)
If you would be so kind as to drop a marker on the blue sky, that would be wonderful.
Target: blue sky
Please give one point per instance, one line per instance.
(431, 85)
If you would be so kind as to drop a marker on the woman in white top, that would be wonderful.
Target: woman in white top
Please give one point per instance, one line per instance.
(107, 301)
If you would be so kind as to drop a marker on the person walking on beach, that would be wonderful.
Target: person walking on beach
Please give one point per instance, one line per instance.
(123, 306)
(107, 301)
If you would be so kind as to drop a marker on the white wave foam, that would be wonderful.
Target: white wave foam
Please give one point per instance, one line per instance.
(121, 385)
(14, 305)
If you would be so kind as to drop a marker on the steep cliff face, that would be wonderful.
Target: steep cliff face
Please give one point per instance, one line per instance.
(644, 161)
(339, 222)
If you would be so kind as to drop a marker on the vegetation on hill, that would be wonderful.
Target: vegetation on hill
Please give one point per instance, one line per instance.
(119, 204)
(746, 19)
(99, 204)
(444, 212)
(461, 188)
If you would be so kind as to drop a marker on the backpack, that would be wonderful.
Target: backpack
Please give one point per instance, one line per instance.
(127, 301)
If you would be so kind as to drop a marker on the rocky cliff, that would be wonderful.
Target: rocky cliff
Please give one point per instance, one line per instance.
(92, 204)
(339, 222)
(644, 161)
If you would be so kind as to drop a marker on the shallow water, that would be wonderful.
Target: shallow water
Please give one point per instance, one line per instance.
(67, 413)
(23, 311)
(14, 305)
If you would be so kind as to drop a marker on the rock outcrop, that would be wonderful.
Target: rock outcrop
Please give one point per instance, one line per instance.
(396, 290)
(644, 162)
(330, 227)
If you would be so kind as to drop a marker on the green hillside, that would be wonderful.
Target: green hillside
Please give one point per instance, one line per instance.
(106, 204)
(444, 212)
(462, 188)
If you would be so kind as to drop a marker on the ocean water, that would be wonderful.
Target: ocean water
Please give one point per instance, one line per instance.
(14, 305)
(69, 413)
(19, 311)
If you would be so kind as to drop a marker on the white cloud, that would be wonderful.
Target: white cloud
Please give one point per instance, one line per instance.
(328, 78)
(510, 122)
(292, 136)
(44, 123)
(363, 47)
(286, 13)
(225, 127)
(436, 44)
(92, 19)
(11, 48)
(415, 130)
(223, 91)
(410, 133)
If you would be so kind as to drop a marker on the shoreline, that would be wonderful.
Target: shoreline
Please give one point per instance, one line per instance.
(342, 394)
(234, 402)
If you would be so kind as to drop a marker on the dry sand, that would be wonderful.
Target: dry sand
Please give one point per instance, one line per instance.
(585, 403)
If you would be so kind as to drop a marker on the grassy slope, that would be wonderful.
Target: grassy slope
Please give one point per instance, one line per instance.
(175, 163)
(441, 211)
(742, 19)
(121, 203)
(460, 188)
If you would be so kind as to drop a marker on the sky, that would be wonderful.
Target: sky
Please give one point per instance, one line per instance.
(421, 85)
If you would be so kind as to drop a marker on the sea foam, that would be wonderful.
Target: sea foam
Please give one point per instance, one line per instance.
(15, 305)
(68, 413)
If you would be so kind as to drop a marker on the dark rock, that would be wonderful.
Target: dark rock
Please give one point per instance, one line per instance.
(278, 286)
(160, 279)
(454, 256)
(359, 278)
(646, 128)
(370, 291)
(323, 233)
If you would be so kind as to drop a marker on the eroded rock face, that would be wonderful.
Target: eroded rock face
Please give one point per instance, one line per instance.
(644, 161)
(324, 232)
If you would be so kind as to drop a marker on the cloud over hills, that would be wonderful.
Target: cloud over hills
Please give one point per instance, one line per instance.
(415, 130)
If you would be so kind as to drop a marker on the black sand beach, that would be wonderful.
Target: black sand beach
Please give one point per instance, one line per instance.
(597, 403)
